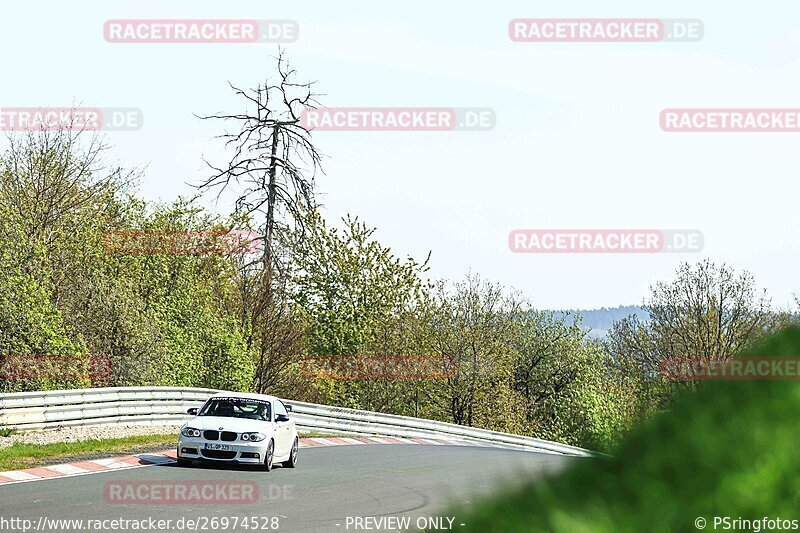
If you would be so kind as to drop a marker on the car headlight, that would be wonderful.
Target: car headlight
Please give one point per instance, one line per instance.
(254, 437)
(190, 432)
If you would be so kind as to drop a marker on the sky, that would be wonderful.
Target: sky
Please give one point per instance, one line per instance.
(576, 144)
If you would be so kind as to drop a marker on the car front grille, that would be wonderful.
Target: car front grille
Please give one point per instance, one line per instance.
(228, 436)
(218, 454)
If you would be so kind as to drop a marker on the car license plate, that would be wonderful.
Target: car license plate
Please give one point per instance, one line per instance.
(223, 447)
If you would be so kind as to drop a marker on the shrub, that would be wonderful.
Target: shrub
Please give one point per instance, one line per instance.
(728, 449)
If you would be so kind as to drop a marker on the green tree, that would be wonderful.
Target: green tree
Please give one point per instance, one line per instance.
(348, 285)
(707, 312)
(161, 318)
(471, 326)
(355, 297)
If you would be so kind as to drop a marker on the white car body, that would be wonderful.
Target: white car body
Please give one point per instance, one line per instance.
(227, 438)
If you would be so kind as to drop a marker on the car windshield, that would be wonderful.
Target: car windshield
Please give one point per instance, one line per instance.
(237, 408)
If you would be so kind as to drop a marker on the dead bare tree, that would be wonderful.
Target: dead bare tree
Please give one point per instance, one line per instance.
(274, 162)
(271, 172)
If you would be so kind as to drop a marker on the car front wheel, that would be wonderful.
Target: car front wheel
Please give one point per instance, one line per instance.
(292, 462)
(269, 455)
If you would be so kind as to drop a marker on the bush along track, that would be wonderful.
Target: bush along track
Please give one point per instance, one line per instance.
(728, 449)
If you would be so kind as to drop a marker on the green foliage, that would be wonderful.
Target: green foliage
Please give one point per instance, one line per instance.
(160, 318)
(349, 285)
(471, 324)
(706, 312)
(30, 324)
(725, 450)
(228, 364)
(357, 300)
(182, 298)
(241, 322)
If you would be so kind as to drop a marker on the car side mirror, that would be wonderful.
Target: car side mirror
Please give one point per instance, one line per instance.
(281, 418)
(288, 408)
(192, 411)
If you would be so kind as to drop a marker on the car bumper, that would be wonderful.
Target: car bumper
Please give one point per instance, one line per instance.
(236, 452)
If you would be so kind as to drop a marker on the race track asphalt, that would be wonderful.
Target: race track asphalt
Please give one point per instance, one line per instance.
(333, 489)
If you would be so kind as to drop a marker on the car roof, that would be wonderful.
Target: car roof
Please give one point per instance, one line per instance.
(245, 395)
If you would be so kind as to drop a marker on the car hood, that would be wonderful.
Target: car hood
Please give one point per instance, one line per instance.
(238, 425)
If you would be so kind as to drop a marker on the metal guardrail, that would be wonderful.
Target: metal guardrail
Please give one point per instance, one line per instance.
(168, 406)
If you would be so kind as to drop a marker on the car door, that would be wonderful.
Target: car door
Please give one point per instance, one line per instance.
(283, 436)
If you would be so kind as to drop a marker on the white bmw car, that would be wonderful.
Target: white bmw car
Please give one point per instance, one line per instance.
(240, 428)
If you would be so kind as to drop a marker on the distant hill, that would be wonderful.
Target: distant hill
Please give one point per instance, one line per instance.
(600, 320)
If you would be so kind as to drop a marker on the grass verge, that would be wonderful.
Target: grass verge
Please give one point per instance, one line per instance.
(20, 455)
